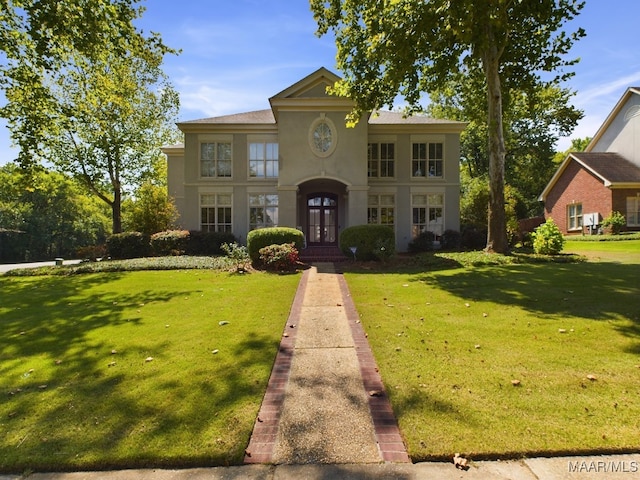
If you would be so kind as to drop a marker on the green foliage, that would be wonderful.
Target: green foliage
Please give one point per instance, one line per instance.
(52, 212)
(170, 242)
(95, 105)
(263, 237)
(372, 242)
(208, 243)
(238, 254)
(151, 211)
(451, 240)
(422, 243)
(500, 47)
(548, 239)
(281, 258)
(614, 222)
(128, 245)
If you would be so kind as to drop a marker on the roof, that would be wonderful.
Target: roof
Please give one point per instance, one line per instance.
(257, 116)
(613, 169)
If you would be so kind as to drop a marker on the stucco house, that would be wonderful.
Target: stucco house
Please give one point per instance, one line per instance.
(605, 178)
(297, 164)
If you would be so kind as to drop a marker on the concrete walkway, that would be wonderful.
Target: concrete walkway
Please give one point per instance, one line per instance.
(325, 414)
(325, 402)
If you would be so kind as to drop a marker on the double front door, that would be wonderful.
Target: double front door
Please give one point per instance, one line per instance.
(322, 215)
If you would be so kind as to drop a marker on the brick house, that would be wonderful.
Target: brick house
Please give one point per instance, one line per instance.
(296, 164)
(588, 186)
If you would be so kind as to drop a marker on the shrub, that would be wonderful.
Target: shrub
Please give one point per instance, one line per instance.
(473, 238)
(208, 243)
(128, 245)
(263, 237)
(422, 243)
(372, 242)
(238, 254)
(280, 257)
(170, 242)
(615, 222)
(548, 239)
(91, 252)
(451, 240)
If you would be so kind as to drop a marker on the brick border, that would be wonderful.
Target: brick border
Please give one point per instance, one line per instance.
(265, 429)
(390, 442)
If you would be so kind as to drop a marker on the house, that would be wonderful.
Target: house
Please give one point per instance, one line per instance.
(605, 178)
(298, 165)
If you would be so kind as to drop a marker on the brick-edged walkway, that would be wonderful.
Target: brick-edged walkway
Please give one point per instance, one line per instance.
(265, 434)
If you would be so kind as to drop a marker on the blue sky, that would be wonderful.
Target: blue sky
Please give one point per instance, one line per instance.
(236, 54)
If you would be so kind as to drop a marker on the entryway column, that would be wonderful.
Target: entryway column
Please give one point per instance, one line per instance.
(287, 205)
(357, 206)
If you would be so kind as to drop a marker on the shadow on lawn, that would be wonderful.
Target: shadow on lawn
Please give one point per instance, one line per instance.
(600, 291)
(88, 412)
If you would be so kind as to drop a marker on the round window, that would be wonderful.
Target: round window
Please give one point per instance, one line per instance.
(322, 138)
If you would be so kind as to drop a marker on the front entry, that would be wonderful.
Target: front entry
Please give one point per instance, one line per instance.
(322, 212)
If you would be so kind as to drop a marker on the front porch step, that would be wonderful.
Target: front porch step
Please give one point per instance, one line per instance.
(321, 254)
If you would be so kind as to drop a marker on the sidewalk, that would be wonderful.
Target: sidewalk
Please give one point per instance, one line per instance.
(325, 414)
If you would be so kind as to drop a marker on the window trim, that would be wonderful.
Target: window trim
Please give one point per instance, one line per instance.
(578, 217)
(215, 160)
(636, 214)
(379, 206)
(264, 206)
(265, 161)
(416, 170)
(216, 206)
(379, 160)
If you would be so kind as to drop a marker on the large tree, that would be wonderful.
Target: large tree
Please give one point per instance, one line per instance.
(533, 123)
(410, 47)
(85, 91)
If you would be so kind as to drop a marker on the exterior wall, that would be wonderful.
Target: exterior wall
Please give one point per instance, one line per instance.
(619, 203)
(576, 185)
(623, 134)
(175, 182)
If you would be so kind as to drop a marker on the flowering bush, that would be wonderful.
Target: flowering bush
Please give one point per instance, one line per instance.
(615, 222)
(280, 257)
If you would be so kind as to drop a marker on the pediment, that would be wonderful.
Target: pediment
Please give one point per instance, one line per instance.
(312, 86)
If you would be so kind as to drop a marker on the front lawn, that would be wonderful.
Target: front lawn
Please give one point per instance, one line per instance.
(507, 360)
(135, 369)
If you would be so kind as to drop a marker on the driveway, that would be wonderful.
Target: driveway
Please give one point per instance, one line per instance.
(13, 266)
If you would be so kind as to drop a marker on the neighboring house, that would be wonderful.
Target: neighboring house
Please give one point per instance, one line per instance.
(605, 178)
(298, 165)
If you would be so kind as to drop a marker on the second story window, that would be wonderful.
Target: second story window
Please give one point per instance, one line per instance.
(427, 160)
(215, 159)
(263, 160)
(381, 160)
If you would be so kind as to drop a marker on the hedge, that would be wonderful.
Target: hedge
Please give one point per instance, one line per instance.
(263, 237)
(372, 242)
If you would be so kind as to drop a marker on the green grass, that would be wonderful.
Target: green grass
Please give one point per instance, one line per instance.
(67, 402)
(450, 337)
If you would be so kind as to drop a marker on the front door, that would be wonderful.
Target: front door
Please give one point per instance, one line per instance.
(322, 212)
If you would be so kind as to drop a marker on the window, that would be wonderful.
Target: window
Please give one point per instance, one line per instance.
(263, 211)
(381, 159)
(381, 210)
(427, 160)
(427, 214)
(574, 216)
(633, 211)
(263, 160)
(215, 159)
(215, 212)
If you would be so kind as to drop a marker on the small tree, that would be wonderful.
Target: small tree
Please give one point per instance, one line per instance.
(548, 239)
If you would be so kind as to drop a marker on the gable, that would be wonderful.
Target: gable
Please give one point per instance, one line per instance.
(312, 86)
(620, 132)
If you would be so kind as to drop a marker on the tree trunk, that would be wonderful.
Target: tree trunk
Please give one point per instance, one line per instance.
(497, 232)
(116, 211)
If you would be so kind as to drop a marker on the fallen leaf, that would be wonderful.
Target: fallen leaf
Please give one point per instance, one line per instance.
(375, 393)
(223, 322)
(515, 383)
(215, 351)
(460, 462)
(562, 330)
(467, 305)
(113, 352)
(148, 359)
(593, 378)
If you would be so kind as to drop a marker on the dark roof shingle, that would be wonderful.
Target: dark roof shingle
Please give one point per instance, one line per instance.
(612, 167)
